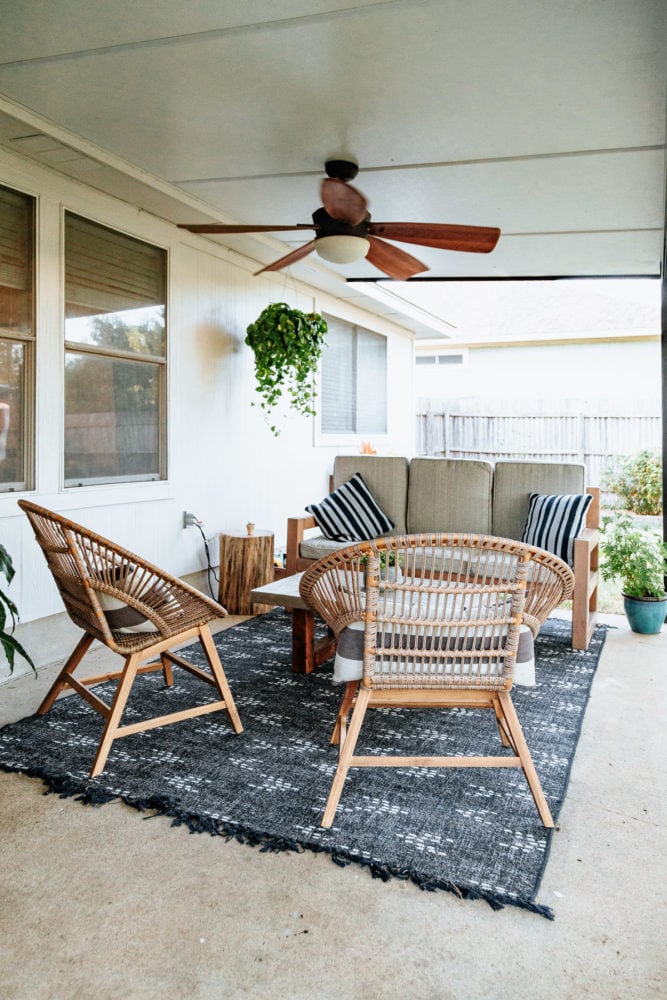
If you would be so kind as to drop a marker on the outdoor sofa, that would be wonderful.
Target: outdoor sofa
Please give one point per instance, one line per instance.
(463, 495)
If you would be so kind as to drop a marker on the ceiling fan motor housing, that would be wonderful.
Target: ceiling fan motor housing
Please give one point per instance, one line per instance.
(342, 170)
(326, 226)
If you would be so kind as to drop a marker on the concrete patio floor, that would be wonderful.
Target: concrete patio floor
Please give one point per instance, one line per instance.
(103, 903)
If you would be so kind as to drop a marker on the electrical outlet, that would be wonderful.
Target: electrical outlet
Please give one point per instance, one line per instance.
(189, 519)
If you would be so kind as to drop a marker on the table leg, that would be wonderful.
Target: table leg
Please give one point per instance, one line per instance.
(307, 651)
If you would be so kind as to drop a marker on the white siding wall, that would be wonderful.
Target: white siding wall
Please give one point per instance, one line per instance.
(625, 370)
(224, 463)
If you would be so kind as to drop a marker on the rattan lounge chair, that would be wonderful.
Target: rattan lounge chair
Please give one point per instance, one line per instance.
(440, 629)
(138, 611)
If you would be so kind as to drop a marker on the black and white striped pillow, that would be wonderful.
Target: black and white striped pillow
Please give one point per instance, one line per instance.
(350, 513)
(554, 522)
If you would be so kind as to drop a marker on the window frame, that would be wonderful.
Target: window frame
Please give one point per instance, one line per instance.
(434, 358)
(143, 481)
(29, 344)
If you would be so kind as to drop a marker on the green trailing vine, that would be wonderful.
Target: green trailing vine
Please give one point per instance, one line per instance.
(287, 344)
(9, 610)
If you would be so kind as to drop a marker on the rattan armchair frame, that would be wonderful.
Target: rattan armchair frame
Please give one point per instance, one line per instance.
(86, 567)
(442, 631)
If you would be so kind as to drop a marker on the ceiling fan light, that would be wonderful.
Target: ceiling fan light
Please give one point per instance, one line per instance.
(342, 249)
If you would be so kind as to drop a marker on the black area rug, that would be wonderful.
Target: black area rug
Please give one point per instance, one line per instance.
(474, 832)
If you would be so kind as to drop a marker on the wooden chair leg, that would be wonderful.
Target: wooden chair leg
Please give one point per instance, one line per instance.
(346, 752)
(68, 669)
(117, 707)
(523, 753)
(167, 670)
(505, 736)
(340, 728)
(211, 652)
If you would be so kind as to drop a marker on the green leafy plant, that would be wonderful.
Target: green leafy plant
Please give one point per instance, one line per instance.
(637, 480)
(9, 610)
(634, 554)
(385, 558)
(287, 344)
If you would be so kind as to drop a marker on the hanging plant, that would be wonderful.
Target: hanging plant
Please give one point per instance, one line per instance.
(287, 344)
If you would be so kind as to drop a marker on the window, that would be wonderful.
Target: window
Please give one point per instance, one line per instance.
(115, 356)
(353, 381)
(17, 338)
(442, 358)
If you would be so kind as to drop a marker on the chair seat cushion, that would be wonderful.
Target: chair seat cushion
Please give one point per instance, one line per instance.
(348, 663)
(351, 513)
(122, 617)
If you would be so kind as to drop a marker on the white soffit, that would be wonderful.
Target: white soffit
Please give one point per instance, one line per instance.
(545, 119)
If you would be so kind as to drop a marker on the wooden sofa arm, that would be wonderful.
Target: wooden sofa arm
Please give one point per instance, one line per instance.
(586, 580)
(296, 527)
(586, 575)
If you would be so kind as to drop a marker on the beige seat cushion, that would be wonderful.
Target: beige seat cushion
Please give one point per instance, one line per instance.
(386, 477)
(450, 495)
(318, 546)
(513, 482)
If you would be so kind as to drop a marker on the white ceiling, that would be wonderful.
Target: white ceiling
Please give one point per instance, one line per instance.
(546, 119)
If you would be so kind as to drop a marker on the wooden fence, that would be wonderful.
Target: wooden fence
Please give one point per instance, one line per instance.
(560, 432)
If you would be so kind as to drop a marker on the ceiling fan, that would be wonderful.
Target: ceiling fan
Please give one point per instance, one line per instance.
(344, 231)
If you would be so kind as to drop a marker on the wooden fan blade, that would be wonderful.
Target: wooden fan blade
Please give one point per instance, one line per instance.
(216, 227)
(290, 258)
(393, 261)
(472, 239)
(343, 202)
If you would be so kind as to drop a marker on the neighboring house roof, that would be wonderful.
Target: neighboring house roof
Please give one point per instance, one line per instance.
(502, 312)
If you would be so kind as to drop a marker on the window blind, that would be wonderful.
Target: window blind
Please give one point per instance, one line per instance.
(353, 385)
(107, 272)
(16, 239)
(371, 383)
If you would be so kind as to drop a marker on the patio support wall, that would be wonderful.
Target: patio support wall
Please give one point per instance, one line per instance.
(224, 464)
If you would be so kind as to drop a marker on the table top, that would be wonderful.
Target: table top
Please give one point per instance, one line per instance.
(257, 533)
(284, 593)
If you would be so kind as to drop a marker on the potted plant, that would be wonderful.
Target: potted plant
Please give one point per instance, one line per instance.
(639, 557)
(287, 344)
(9, 610)
(389, 564)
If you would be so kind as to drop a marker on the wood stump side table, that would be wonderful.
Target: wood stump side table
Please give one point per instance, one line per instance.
(246, 562)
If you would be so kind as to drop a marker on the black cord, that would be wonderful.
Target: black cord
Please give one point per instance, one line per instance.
(210, 569)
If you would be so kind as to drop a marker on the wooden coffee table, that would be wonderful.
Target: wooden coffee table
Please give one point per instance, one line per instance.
(307, 651)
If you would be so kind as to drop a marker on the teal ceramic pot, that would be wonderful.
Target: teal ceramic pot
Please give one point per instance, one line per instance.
(645, 616)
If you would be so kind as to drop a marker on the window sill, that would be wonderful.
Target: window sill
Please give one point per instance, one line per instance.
(82, 497)
(377, 439)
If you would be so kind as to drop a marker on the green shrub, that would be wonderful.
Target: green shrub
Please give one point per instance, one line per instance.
(637, 480)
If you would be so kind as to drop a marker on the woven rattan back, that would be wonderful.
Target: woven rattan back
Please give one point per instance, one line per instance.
(439, 610)
(93, 573)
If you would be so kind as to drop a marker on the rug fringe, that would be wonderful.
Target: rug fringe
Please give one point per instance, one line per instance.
(66, 786)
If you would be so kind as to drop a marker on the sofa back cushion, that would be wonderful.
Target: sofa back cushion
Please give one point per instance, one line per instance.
(386, 477)
(513, 483)
(450, 495)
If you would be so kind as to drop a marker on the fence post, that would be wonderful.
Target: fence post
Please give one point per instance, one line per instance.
(428, 432)
(582, 438)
